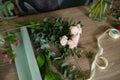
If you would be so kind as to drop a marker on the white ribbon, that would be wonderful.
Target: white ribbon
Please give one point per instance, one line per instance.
(100, 52)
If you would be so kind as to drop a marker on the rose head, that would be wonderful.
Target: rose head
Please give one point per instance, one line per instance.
(63, 40)
(76, 29)
(71, 44)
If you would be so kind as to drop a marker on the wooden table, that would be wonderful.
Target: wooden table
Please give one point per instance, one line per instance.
(91, 29)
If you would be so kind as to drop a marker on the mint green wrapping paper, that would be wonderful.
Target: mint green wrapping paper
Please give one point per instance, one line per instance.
(25, 61)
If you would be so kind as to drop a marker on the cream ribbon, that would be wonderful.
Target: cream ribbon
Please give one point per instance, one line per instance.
(113, 33)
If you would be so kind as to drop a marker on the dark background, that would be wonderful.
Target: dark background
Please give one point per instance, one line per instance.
(34, 6)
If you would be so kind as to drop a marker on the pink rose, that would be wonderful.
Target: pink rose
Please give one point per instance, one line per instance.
(72, 44)
(79, 29)
(63, 40)
(75, 38)
(76, 29)
(5, 57)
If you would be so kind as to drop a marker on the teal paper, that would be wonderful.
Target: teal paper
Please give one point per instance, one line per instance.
(25, 61)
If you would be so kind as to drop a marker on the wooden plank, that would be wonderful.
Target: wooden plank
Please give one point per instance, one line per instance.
(91, 29)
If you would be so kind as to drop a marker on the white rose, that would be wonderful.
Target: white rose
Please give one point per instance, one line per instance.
(63, 40)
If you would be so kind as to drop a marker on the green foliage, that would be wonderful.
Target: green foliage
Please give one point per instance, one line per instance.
(81, 75)
(6, 8)
(2, 21)
(64, 64)
(46, 31)
(71, 77)
(44, 62)
(64, 69)
(65, 73)
(89, 55)
(48, 60)
(52, 28)
(115, 12)
(52, 54)
(40, 60)
(11, 37)
(10, 53)
(52, 76)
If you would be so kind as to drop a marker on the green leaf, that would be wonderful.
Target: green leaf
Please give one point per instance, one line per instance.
(82, 75)
(52, 76)
(40, 60)
(71, 77)
(51, 53)
(58, 58)
(42, 41)
(52, 38)
(37, 39)
(48, 60)
(57, 76)
(48, 77)
(46, 19)
(10, 53)
(11, 37)
(65, 73)
(57, 24)
(32, 31)
(89, 55)
(64, 64)
(31, 22)
(79, 22)
(45, 46)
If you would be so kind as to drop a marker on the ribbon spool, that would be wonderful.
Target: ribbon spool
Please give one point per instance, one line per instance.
(2, 41)
(113, 33)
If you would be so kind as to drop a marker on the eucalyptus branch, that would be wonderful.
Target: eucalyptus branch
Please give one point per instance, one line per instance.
(75, 58)
(18, 27)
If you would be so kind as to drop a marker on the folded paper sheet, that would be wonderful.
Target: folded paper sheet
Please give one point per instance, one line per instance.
(25, 61)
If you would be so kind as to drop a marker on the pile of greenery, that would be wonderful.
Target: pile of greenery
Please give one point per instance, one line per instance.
(45, 32)
(5, 49)
(115, 12)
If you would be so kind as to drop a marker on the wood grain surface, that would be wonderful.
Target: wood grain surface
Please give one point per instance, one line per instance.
(91, 29)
